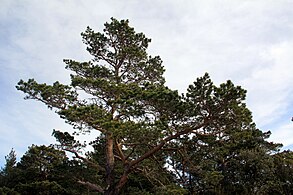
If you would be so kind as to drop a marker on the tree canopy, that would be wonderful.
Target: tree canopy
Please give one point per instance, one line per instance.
(152, 139)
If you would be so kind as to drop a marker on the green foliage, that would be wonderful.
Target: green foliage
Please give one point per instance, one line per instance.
(40, 188)
(283, 171)
(57, 95)
(8, 191)
(40, 161)
(170, 189)
(45, 170)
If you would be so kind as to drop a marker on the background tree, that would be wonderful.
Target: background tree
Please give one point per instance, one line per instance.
(283, 171)
(45, 170)
(7, 173)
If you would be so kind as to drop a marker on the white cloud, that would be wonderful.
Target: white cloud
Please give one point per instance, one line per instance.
(270, 85)
(250, 42)
(284, 135)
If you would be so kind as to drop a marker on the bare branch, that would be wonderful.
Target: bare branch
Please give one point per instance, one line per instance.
(84, 159)
(92, 186)
(133, 148)
(119, 150)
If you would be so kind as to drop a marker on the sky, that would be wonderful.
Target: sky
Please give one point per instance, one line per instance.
(247, 41)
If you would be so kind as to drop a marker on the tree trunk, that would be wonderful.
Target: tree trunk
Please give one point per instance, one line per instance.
(121, 183)
(116, 189)
(110, 163)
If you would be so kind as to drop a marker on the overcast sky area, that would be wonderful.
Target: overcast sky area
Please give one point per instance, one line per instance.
(248, 42)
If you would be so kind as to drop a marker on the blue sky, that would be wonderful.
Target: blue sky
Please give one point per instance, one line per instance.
(249, 42)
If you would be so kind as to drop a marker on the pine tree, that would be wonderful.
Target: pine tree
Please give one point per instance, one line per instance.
(204, 134)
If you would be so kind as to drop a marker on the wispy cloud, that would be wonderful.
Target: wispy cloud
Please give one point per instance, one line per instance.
(270, 86)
